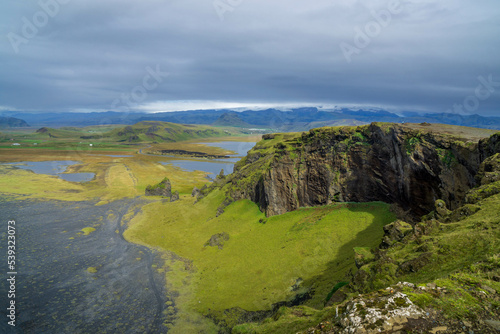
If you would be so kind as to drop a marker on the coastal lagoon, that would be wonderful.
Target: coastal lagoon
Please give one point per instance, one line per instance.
(216, 165)
(55, 167)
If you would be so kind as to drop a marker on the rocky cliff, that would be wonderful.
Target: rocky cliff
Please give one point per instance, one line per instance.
(412, 165)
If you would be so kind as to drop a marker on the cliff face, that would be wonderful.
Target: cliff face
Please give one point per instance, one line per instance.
(411, 165)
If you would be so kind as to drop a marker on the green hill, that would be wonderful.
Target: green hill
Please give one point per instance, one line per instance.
(115, 136)
(150, 131)
(230, 119)
(11, 122)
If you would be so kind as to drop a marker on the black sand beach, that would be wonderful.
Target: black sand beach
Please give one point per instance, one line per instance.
(68, 282)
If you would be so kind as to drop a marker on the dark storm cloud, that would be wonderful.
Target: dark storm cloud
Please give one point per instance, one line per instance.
(427, 55)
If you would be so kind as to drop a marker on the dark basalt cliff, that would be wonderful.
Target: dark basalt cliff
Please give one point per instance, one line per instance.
(407, 164)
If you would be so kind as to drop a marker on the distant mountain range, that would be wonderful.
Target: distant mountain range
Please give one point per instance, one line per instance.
(12, 122)
(299, 119)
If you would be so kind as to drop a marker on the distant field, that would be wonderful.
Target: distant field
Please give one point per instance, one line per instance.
(113, 137)
(116, 177)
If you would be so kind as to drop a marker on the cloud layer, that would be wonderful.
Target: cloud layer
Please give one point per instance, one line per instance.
(95, 55)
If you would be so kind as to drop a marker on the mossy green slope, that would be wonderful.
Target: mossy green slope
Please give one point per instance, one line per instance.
(453, 256)
(265, 260)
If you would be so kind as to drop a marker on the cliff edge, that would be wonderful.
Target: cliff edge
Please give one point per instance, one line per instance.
(411, 165)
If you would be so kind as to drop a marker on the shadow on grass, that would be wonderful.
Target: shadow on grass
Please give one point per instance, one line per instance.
(340, 266)
(313, 291)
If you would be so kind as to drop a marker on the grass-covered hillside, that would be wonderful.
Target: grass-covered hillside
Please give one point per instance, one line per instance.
(235, 264)
(112, 136)
(449, 264)
(448, 260)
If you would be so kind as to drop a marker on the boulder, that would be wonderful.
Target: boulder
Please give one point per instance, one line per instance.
(395, 232)
(217, 240)
(175, 196)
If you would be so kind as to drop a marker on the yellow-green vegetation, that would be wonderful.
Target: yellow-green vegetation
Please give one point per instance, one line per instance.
(124, 138)
(447, 247)
(87, 230)
(115, 177)
(457, 274)
(92, 270)
(113, 137)
(463, 295)
(264, 260)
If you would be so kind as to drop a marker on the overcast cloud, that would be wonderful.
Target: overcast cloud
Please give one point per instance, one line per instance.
(93, 55)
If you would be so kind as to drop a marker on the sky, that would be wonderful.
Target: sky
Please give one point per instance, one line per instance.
(166, 55)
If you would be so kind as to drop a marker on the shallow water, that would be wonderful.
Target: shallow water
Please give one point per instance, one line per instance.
(55, 167)
(77, 177)
(241, 148)
(118, 156)
(205, 166)
(216, 165)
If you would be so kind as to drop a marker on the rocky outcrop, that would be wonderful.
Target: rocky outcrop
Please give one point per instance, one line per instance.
(164, 188)
(383, 312)
(410, 165)
(395, 232)
(217, 240)
(175, 196)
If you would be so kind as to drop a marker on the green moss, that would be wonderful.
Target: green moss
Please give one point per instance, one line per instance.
(422, 300)
(447, 157)
(160, 185)
(92, 270)
(87, 230)
(412, 142)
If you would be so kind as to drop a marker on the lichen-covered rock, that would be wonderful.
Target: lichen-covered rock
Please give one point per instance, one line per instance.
(195, 192)
(378, 313)
(482, 192)
(489, 179)
(362, 255)
(464, 212)
(224, 204)
(414, 265)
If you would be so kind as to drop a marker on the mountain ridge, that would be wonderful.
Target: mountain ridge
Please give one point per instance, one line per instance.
(275, 120)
